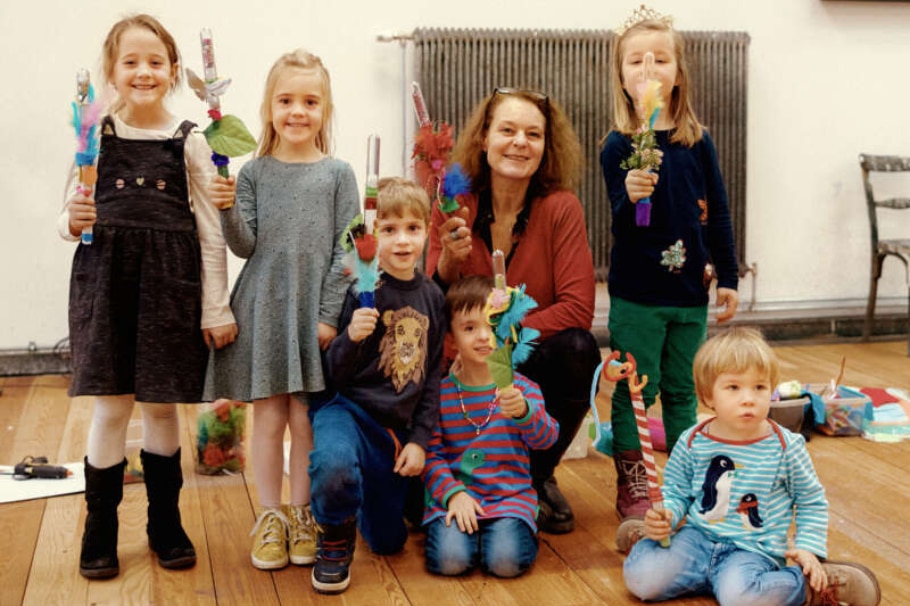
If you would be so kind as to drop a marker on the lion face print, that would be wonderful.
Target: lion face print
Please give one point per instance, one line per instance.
(403, 349)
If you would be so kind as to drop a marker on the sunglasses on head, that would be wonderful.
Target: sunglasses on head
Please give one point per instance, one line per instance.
(538, 98)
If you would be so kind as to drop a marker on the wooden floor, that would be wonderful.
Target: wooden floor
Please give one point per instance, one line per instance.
(868, 487)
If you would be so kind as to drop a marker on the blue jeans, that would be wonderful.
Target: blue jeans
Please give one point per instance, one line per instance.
(694, 564)
(351, 474)
(504, 547)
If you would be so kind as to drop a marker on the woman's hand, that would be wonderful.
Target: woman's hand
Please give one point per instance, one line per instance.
(222, 191)
(640, 184)
(81, 210)
(455, 237)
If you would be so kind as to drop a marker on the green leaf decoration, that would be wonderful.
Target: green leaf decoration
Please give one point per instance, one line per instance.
(500, 364)
(229, 137)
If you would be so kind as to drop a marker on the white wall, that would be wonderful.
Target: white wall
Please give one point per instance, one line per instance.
(828, 79)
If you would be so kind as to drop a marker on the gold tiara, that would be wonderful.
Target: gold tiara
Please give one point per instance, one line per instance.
(643, 13)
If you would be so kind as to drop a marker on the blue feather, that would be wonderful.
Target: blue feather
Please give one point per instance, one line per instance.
(366, 274)
(455, 182)
(518, 308)
(525, 345)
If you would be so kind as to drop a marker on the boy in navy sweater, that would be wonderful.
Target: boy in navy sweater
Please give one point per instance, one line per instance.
(386, 364)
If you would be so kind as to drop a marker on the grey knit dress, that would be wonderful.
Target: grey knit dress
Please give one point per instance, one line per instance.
(287, 222)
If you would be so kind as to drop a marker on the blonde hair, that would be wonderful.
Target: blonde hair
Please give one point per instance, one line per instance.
(738, 349)
(398, 196)
(687, 130)
(111, 48)
(562, 162)
(304, 60)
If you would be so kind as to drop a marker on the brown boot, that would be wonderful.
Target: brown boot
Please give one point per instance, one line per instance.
(631, 484)
(848, 583)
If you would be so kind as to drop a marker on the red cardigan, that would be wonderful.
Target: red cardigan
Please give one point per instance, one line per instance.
(553, 260)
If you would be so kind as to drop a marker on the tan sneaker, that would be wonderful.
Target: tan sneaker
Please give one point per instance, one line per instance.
(270, 545)
(301, 535)
(848, 583)
(628, 534)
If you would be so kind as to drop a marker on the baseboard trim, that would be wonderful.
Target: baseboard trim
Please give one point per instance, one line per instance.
(19, 362)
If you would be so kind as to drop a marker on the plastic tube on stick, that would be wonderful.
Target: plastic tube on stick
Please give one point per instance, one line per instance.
(371, 194)
(420, 106)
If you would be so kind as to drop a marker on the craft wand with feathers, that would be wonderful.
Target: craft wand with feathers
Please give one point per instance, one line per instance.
(86, 112)
(359, 239)
(505, 309)
(433, 143)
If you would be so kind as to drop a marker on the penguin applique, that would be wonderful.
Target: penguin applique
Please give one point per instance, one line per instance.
(748, 511)
(716, 490)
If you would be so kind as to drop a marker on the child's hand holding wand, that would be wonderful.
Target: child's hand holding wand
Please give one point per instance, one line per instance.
(657, 524)
(640, 184)
(81, 211)
(363, 323)
(222, 192)
(512, 403)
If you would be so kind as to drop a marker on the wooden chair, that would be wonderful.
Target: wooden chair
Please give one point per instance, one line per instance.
(881, 248)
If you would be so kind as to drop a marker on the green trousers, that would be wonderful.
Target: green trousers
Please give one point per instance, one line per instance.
(663, 341)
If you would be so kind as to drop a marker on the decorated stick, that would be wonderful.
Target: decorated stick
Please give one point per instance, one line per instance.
(616, 371)
(370, 197)
(86, 112)
(505, 309)
(433, 145)
(226, 135)
(645, 154)
(361, 234)
(420, 106)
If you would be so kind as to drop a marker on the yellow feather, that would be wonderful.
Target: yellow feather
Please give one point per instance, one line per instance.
(651, 100)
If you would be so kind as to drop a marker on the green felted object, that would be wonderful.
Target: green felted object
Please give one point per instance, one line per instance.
(500, 364)
(229, 137)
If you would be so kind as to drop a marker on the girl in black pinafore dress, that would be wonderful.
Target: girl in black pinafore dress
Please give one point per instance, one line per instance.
(136, 293)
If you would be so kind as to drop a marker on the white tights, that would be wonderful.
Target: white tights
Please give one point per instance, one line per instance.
(110, 419)
(270, 418)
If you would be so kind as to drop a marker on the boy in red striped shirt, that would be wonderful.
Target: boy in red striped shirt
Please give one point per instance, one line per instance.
(477, 470)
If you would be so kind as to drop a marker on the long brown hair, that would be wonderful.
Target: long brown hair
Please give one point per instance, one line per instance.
(298, 59)
(687, 130)
(561, 165)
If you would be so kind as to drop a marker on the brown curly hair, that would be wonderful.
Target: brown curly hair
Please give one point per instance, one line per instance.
(561, 165)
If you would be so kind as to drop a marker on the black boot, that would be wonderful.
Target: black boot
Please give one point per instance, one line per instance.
(563, 366)
(163, 480)
(103, 493)
(555, 514)
(334, 554)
